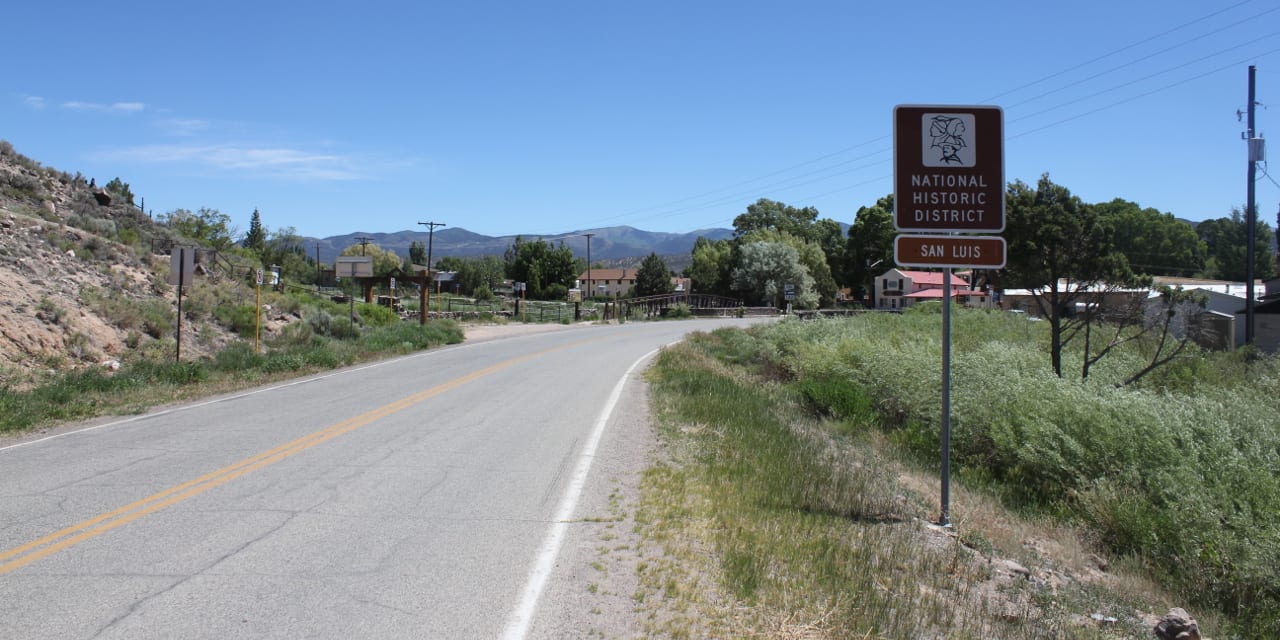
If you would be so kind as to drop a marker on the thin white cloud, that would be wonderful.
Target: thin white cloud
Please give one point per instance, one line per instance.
(35, 102)
(182, 127)
(117, 107)
(291, 164)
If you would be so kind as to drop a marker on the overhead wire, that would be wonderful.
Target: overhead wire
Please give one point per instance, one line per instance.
(791, 182)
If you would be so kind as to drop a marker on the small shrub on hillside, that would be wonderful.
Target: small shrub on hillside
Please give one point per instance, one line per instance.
(372, 315)
(243, 318)
(237, 357)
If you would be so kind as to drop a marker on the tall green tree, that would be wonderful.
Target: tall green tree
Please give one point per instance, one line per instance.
(711, 270)
(764, 270)
(418, 253)
(1154, 243)
(653, 278)
(1226, 242)
(869, 250)
(255, 239)
(768, 214)
(284, 248)
(548, 270)
(831, 239)
(1062, 250)
(811, 256)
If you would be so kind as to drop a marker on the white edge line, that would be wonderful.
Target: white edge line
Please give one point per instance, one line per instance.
(245, 394)
(522, 616)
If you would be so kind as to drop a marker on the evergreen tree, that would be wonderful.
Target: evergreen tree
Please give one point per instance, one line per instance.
(653, 278)
(256, 238)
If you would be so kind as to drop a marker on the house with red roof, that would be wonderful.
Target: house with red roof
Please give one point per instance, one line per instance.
(898, 289)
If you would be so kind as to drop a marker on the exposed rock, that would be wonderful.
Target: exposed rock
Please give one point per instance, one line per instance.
(1177, 625)
(102, 197)
(1098, 562)
(1016, 569)
(50, 206)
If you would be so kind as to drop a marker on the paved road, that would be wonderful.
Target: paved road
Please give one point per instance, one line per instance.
(414, 498)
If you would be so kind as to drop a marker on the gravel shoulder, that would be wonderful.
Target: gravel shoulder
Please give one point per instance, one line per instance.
(592, 587)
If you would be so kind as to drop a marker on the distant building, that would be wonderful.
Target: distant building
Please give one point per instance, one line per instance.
(607, 282)
(898, 289)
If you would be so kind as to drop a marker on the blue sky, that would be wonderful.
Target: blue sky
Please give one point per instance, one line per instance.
(544, 118)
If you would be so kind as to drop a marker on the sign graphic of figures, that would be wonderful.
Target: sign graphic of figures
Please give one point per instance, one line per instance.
(948, 168)
(947, 143)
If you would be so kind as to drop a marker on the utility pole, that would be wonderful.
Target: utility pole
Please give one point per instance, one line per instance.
(588, 236)
(364, 242)
(1251, 211)
(424, 296)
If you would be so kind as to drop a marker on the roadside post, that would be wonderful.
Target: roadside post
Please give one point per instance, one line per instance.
(182, 264)
(948, 182)
(257, 309)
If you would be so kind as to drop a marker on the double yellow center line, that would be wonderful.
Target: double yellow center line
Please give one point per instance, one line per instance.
(24, 555)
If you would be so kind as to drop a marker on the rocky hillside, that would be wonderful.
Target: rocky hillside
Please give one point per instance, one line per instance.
(82, 275)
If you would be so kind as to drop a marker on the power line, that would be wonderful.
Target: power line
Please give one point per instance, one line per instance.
(790, 182)
(1143, 95)
(1120, 50)
(1152, 55)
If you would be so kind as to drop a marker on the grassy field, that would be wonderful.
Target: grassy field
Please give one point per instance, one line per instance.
(803, 479)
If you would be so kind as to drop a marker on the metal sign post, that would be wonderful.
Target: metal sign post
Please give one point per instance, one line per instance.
(948, 178)
(182, 264)
(257, 309)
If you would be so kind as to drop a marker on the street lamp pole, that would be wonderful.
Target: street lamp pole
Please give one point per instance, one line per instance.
(424, 296)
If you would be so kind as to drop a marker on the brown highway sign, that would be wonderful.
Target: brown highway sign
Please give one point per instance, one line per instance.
(955, 252)
(948, 168)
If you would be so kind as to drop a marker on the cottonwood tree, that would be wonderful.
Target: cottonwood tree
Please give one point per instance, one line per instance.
(548, 270)
(811, 256)
(1154, 243)
(712, 268)
(869, 250)
(763, 270)
(1226, 244)
(768, 214)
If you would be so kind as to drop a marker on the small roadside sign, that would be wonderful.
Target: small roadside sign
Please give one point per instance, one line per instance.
(182, 265)
(955, 252)
(393, 283)
(258, 278)
(789, 292)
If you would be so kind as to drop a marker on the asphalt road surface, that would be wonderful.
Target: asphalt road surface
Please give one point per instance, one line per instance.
(420, 497)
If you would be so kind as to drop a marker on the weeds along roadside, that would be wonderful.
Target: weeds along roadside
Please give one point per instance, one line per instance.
(770, 523)
(1179, 476)
(320, 342)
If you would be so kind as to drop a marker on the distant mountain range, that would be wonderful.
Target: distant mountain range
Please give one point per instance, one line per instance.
(608, 244)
